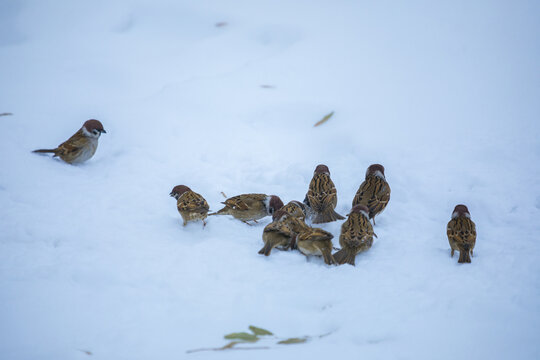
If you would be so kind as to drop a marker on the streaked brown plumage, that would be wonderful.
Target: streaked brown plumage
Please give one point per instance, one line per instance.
(190, 205)
(294, 208)
(461, 232)
(374, 192)
(277, 234)
(250, 207)
(321, 197)
(356, 235)
(316, 241)
(81, 146)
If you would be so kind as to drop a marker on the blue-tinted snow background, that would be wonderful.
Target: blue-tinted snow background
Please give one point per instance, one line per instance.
(94, 258)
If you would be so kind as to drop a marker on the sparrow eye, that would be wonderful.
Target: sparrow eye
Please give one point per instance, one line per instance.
(271, 211)
(95, 132)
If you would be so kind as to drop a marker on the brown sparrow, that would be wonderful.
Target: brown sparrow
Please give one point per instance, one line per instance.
(277, 234)
(294, 208)
(461, 233)
(321, 197)
(356, 235)
(312, 241)
(248, 207)
(374, 192)
(81, 146)
(191, 206)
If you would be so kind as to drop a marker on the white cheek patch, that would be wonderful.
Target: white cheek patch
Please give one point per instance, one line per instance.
(377, 173)
(267, 204)
(364, 213)
(90, 134)
(455, 214)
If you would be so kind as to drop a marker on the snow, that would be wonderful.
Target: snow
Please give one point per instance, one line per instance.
(94, 258)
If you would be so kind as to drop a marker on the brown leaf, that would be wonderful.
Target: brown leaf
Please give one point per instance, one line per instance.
(259, 331)
(324, 119)
(242, 336)
(229, 345)
(293, 341)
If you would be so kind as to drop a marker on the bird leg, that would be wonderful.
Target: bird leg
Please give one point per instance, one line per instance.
(452, 253)
(292, 244)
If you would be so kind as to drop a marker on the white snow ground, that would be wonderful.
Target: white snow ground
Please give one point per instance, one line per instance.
(93, 257)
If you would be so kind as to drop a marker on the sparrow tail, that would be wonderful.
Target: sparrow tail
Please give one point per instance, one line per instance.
(44, 151)
(267, 248)
(328, 215)
(224, 211)
(327, 257)
(345, 256)
(464, 256)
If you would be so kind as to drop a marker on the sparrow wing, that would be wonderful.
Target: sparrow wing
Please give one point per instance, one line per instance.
(316, 234)
(72, 147)
(294, 210)
(382, 196)
(360, 194)
(192, 202)
(279, 228)
(357, 230)
(322, 193)
(461, 230)
(374, 192)
(236, 203)
(246, 201)
(451, 230)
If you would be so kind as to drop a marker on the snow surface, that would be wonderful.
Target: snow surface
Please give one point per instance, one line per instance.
(94, 258)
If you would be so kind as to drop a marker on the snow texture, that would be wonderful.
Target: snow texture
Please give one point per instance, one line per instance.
(94, 258)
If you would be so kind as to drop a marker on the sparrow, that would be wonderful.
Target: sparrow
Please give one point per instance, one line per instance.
(356, 235)
(374, 192)
(321, 197)
(81, 146)
(313, 241)
(294, 208)
(249, 207)
(191, 206)
(461, 233)
(277, 234)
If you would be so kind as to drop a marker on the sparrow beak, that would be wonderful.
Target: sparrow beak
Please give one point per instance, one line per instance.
(102, 131)
(171, 194)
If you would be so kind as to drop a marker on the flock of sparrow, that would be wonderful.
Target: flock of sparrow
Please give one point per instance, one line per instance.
(288, 229)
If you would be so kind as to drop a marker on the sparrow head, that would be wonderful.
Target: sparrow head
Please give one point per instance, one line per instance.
(93, 128)
(321, 169)
(375, 170)
(301, 205)
(280, 215)
(274, 204)
(178, 190)
(461, 210)
(360, 209)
